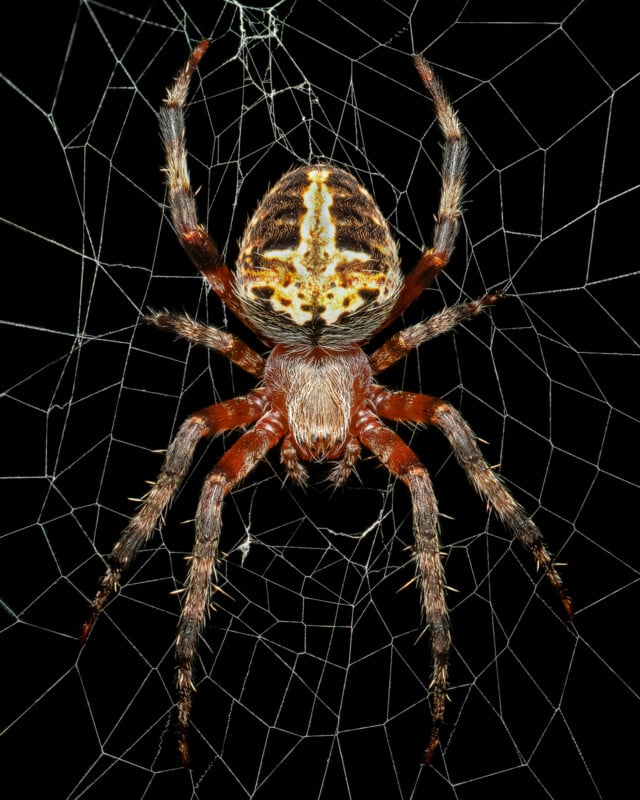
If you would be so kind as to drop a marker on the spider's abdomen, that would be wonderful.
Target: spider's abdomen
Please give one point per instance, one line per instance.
(317, 262)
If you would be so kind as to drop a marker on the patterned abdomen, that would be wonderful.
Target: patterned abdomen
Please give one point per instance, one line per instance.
(317, 263)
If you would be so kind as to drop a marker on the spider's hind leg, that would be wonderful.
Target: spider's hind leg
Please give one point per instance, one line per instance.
(194, 237)
(454, 159)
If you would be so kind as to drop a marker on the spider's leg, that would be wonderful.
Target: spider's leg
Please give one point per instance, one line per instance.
(408, 407)
(234, 465)
(224, 342)
(401, 461)
(454, 159)
(214, 419)
(403, 342)
(195, 239)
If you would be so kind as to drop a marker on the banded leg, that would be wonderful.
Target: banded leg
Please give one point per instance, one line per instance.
(234, 465)
(223, 342)
(403, 342)
(199, 245)
(401, 461)
(454, 158)
(408, 407)
(214, 419)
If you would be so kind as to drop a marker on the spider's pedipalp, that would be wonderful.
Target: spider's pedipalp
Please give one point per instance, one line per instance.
(342, 470)
(291, 462)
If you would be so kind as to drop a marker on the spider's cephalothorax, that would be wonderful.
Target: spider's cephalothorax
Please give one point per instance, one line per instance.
(317, 275)
(317, 263)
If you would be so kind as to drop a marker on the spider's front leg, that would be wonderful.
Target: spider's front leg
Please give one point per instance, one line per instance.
(409, 407)
(214, 419)
(233, 467)
(401, 461)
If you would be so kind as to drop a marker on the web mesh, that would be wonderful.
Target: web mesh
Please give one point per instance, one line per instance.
(313, 673)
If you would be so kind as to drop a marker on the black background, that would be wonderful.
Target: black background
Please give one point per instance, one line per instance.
(538, 706)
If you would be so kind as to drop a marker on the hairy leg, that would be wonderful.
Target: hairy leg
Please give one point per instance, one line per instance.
(408, 407)
(403, 342)
(234, 465)
(214, 419)
(454, 158)
(223, 342)
(401, 461)
(199, 245)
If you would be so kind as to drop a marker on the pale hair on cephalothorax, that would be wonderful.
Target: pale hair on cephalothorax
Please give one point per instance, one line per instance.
(317, 276)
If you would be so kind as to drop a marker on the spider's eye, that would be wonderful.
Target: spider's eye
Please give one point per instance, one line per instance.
(317, 263)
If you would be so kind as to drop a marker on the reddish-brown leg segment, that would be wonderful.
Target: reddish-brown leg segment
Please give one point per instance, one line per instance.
(234, 465)
(200, 247)
(403, 342)
(408, 407)
(214, 419)
(223, 342)
(454, 159)
(401, 461)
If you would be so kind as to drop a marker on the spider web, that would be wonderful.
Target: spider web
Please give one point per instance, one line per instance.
(313, 672)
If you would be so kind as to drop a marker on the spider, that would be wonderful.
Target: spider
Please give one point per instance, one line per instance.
(317, 276)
